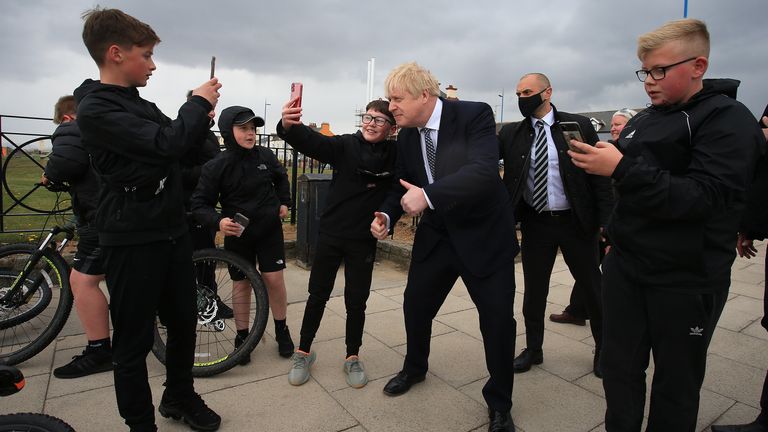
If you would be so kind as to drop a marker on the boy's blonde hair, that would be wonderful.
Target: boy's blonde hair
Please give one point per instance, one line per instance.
(66, 105)
(413, 79)
(691, 31)
(106, 27)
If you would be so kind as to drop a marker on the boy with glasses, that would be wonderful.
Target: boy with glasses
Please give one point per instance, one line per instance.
(363, 165)
(681, 185)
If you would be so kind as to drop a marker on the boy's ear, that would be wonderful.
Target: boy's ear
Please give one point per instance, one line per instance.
(700, 66)
(114, 54)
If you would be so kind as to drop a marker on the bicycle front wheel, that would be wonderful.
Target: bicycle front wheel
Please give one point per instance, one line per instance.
(230, 293)
(32, 317)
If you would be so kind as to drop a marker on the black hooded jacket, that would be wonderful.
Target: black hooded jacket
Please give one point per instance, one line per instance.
(247, 181)
(69, 163)
(135, 149)
(681, 188)
(362, 176)
(755, 222)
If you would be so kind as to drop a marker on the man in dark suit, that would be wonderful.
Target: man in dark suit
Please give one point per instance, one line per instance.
(558, 205)
(447, 167)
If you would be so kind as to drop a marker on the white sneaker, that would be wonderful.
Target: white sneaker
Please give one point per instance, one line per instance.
(356, 377)
(299, 373)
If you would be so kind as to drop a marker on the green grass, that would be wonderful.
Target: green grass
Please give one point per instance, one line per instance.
(23, 171)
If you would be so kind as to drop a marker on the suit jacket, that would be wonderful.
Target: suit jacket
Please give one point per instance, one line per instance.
(472, 209)
(590, 196)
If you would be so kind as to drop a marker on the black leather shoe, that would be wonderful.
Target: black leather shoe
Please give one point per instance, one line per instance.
(526, 359)
(751, 427)
(500, 422)
(401, 383)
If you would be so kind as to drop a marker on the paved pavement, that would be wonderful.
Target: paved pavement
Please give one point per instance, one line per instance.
(559, 395)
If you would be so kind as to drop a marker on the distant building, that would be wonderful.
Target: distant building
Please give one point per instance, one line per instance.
(451, 92)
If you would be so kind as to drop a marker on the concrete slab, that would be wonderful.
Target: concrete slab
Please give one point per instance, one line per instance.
(456, 358)
(389, 327)
(734, 380)
(740, 347)
(432, 405)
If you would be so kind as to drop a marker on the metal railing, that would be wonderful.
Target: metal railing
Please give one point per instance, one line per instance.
(17, 142)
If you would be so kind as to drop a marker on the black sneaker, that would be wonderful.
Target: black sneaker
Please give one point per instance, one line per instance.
(87, 363)
(191, 410)
(223, 311)
(247, 358)
(284, 343)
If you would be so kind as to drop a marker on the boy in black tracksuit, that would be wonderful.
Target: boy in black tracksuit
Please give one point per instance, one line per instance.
(681, 185)
(754, 226)
(247, 178)
(363, 166)
(69, 163)
(141, 219)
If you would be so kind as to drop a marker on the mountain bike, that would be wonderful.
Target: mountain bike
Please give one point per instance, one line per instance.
(216, 351)
(12, 381)
(35, 296)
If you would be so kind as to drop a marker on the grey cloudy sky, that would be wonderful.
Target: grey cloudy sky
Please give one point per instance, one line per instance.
(587, 48)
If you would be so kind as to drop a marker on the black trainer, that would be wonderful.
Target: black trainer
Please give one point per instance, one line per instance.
(284, 343)
(88, 363)
(247, 358)
(191, 410)
(223, 311)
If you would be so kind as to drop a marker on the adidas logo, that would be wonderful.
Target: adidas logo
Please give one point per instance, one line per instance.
(696, 331)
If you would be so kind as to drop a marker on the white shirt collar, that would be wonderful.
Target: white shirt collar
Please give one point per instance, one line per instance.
(434, 120)
(549, 118)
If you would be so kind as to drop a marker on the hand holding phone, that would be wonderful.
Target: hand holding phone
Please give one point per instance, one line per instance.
(297, 90)
(213, 66)
(241, 220)
(572, 131)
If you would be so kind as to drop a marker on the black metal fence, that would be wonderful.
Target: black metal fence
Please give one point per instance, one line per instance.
(25, 147)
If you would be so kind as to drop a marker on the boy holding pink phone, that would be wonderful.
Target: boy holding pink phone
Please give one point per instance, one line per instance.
(252, 187)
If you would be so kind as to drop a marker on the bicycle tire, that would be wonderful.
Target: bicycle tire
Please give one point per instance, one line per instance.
(215, 350)
(33, 422)
(23, 340)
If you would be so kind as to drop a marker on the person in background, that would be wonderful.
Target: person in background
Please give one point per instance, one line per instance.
(575, 312)
(70, 163)
(248, 179)
(754, 226)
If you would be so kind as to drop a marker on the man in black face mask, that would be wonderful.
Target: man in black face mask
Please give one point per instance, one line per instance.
(558, 206)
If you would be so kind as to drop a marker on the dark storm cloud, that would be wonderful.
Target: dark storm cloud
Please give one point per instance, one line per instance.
(586, 47)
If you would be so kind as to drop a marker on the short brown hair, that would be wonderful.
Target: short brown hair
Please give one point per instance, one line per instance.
(66, 105)
(412, 78)
(106, 27)
(691, 31)
(382, 106)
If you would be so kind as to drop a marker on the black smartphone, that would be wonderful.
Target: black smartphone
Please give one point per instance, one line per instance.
(242, 220)
(213, 66)
(572, 130)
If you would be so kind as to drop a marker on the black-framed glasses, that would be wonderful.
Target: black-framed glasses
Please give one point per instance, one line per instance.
(378, 121)
(658, 73)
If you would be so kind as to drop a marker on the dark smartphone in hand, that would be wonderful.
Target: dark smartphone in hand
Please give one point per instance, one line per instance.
(242, 220)
(297, 89)
(572, 130)
(213, 66)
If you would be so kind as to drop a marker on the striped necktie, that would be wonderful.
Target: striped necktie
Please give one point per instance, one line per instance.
(430, 150)
(539, 196)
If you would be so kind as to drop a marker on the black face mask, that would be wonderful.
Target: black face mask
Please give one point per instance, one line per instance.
(529, 104)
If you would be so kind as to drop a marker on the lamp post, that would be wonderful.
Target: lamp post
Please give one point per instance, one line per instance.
(265, 117)
(501, 116)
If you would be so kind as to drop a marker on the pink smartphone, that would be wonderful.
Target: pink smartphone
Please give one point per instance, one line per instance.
(297, 89)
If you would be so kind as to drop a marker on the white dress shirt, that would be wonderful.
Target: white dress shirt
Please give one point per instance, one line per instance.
(556, 199)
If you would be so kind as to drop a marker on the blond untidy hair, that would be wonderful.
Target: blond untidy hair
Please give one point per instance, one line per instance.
(691, 31)
(413, 79)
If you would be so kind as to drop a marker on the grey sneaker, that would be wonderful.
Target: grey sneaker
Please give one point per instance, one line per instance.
(299, 373)
(356, 377)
